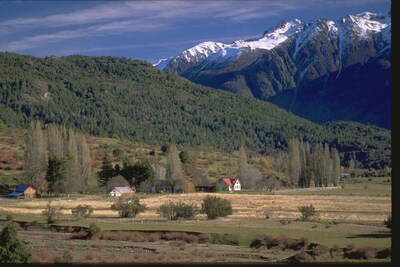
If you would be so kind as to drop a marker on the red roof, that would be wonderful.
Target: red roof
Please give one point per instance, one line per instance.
(228, 181)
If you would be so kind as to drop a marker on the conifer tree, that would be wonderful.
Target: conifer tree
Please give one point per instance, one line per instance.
(12, 250)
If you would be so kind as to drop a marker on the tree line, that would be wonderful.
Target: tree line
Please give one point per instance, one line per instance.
(57, 164)
(122, 98)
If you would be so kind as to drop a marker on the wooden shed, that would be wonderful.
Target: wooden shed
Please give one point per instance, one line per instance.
(23, 191)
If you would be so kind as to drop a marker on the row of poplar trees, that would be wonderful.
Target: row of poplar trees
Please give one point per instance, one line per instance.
(305, 164)
(59, 163)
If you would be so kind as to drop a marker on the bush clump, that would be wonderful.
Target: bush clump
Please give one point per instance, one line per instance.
(215, 207)
(128, 207)
(307, 212)
(51, 213)
(94, 231)
(174, 211)
(12, 250)
(82, 211)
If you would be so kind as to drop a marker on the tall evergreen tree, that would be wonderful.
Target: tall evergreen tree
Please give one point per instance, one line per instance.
(56, 175)
(35, 157)
(12, 250)
(107, 171)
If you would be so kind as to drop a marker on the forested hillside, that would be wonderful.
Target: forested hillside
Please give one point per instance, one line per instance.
(118, 97)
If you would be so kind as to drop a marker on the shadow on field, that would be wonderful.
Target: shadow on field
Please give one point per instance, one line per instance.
(374, 235)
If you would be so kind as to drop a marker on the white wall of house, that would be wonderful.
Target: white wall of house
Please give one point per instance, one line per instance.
(237, 186)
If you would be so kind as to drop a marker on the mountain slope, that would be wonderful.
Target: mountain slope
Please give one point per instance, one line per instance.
(293, 57)
(106, 96)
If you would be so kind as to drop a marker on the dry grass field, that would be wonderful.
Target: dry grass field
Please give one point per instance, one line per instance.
(344, 221)
(250, 206)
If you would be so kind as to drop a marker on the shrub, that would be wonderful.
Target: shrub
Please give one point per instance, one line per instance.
(388, 223)
(307, 212)
(303, 256)
(51, 213)
(82, 211)
(215, 207)
(383, 254)
(12, 250)
(128, 207)
(284, 222)
(319, 250)
(174, 211)
(9, 217)
(364, 253)
(94, 230)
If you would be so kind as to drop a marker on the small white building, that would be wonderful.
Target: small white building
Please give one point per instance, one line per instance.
(121, 191)
(228, 184)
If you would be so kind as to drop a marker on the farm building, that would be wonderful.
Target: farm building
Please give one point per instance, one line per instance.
(345, 175)
(121, 191)
(228, 184)
(23, 191)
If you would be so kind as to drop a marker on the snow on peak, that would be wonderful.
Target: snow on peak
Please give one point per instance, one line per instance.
(363, 24)
(162, 63)
(201, 51)
(360, 25)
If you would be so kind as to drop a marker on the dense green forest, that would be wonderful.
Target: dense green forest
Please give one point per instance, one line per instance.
(130, 99)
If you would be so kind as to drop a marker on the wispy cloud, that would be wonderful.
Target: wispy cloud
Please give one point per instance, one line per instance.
(141, 16)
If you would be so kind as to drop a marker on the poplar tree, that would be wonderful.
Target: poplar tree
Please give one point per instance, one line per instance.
(335, 167)
(35, 157)
(73, 177)
(173, 174)
(84, 161)
(294, 162)
(244, 174)
(326, 166)
(55, 143)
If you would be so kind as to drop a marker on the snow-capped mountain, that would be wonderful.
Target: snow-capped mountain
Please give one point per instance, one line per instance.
(287, 58)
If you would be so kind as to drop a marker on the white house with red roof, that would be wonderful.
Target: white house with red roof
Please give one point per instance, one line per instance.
(228, 184)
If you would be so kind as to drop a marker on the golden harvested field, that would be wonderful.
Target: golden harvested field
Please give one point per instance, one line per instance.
(348, 208)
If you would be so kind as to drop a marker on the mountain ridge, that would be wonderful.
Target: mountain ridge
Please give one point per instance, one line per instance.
(294, 54)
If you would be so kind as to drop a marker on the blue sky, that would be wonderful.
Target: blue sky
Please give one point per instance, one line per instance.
(151, 30)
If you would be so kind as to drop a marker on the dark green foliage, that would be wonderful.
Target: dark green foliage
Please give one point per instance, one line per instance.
(174, 211)
(94, 230)
(220, 239)
(118, 97)
(128, 206)
(51, 213)
(217, 187)
(307, 212)
(107, 171)
(184, 157)
(12, 250)
(215, 207)
(142, 171)
(56, 175)
(82, 211)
